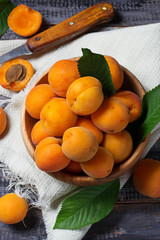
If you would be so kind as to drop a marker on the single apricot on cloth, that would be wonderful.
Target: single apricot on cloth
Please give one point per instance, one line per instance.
(24, 21)
(13, 208)
(84, 96)
(61, 75)
(3, 120)
(79, 144)
(100, 165)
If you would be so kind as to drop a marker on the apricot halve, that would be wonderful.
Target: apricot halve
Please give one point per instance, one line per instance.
(24, 21)
(15, 74)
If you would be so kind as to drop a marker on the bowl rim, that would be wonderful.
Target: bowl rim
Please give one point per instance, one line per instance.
(83, 180)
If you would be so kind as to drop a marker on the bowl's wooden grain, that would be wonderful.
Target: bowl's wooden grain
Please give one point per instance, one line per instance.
(130, 83)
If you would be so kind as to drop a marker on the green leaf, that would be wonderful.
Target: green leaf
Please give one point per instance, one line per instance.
(6, 7)
(150, 115)
(87, 206)
(95, 65)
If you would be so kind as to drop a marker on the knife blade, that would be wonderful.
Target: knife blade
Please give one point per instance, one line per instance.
(65, 31)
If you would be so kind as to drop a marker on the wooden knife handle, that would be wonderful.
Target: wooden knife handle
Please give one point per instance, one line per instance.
(71, 27)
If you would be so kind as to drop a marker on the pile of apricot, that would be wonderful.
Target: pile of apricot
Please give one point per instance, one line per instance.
(77, 128)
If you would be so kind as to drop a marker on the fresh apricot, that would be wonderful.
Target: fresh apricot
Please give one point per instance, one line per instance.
(119, 144)
(24, 21)
(48, 141)
(87, 123)
(112, 116)
(61, 75)
(49, 156)
(38, 133)
(84, 96)
(79, 144)
(3, 120)
(37, 98)
(132, 101)
(13, 208)
(74, 167)
(15, 74)
(57, 117)
(100, 165)
(146, 177)
(116, 72)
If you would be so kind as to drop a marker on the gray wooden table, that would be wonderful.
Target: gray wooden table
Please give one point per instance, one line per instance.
(135, 217)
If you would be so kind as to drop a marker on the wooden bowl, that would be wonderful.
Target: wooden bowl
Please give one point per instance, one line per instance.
(130, 83)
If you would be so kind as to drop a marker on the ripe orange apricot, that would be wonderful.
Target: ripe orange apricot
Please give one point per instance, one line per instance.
(79, 144)
(3, 120)
(15, 74)
(48, 141)
(84, 96)
(132, 101)
(87, 123)
(116, 72)
(61, 75)
(13, 208)
(24, 21)
(37, 98)
(49, 156)
(57, 117)
(112, 116)
(100, 165)
(38, 133)
(74, 167)
(146, 177)
(119, 144)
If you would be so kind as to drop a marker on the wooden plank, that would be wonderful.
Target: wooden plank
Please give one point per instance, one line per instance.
(128, 222)
(128, 13)
(132, 12)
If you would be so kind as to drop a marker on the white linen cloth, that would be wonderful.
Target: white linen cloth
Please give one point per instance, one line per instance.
(136, 48)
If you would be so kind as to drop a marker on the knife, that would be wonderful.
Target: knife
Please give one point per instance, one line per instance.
(64, 31)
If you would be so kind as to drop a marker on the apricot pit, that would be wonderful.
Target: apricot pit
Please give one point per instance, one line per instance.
(15, 74)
